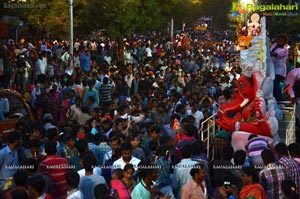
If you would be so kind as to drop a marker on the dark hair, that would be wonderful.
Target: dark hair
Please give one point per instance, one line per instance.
(196, 168)
(155, 128)
(145, 169)
(114, 138)
(186, 151)
(20, 178)
(13, 136)
(50, 148)
(81, 145)
(121, 136)
(268, 156)
(73, 179)
(39, 126)
(294, 148)
(162, 150)
(179, 108)
(227, 152)
(119, 173)
(191, 130)
(126, 146)
(289, 188)
(197, 147)
(91, 82)
(132, 136)
(100, 191)
(99, 138)
(252, 136)
(281, 148)
(69, 137)
(164, 139)
(105, 80)
(34, 143)
(251, 171)
(37, 182)
(190, 118)
(88, 160)
(19, 194)
(153, 144)
(52, 133)
(195, 102)
(127, 167)
(90, 137)
(239, 157)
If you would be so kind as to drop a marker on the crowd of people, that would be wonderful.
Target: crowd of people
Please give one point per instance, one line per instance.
(127, 122)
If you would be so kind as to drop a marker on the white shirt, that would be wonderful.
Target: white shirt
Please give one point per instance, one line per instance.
(198, 117)
(148, 52)
(107, 59)
(75, 194)
(77, 61)
(96, 171)
(41, 66)
(121, 164)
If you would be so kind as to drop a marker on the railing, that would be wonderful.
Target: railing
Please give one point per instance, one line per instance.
(286, 130)
(209, 132)
(287, 126)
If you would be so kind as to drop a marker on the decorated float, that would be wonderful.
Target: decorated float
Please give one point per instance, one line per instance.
(254, 109)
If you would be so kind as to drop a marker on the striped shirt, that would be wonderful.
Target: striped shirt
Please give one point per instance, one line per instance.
(292, 168)
(105, 92)
(271, 178)
(56, 168)
(256, 145)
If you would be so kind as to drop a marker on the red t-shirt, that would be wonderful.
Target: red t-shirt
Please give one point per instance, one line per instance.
(56, 168)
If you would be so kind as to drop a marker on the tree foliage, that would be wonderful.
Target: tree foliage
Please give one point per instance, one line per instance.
(122, 17)
(219, 9)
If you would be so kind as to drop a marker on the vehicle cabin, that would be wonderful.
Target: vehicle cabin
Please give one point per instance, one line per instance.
(13, 107)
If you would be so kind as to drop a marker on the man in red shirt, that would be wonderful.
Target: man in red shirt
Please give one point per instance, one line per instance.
(56, 168)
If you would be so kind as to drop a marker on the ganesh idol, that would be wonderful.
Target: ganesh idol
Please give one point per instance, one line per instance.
(252, 111)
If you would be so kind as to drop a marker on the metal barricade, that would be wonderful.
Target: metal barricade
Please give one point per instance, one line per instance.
(209, 131)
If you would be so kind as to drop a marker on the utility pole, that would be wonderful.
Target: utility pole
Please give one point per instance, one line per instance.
(172, 28)
(71, 33)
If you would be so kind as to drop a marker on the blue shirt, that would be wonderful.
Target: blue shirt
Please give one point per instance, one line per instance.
(88, 183)
(85, 62)
(139, 192)
(96, 151)
(164, 176)
(9, 163)
(91, 92)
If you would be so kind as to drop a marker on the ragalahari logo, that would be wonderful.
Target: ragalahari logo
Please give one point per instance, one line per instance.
(272, 7)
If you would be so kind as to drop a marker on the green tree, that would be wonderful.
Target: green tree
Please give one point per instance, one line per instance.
(219, 9)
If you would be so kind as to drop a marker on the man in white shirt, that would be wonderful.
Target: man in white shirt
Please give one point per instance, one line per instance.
(198, 115)
(90, 180)
(41, 66)
(148, 52)
(126, 158)
(73, 182)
